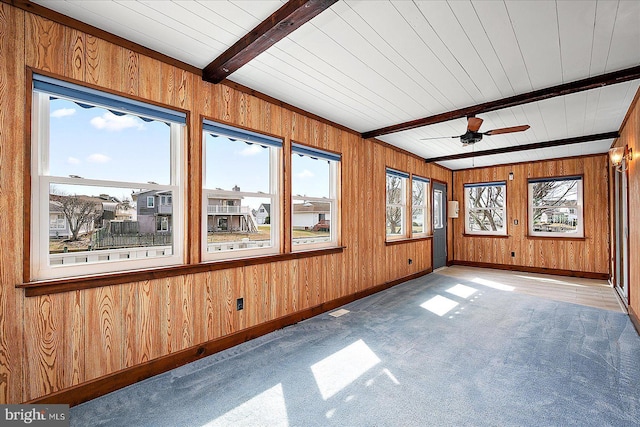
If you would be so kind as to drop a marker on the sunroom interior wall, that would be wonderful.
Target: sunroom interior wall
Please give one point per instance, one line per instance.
(53, 342)
(588, 255)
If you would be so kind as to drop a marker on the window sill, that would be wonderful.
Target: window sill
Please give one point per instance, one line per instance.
(490, 236)
(69, 284)
(407, 240)
(579, 239)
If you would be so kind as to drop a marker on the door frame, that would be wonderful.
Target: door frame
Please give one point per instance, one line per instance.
(445, 221)
(620, 219)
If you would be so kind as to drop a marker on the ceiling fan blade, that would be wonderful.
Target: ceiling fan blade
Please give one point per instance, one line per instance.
(439, 137)
(474, 123)
(507, 130)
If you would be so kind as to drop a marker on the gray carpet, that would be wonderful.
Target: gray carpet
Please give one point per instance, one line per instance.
(406, 357)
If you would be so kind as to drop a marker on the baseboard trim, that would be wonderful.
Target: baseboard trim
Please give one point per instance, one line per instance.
(634, 319)
(117, 380)
(540, 270)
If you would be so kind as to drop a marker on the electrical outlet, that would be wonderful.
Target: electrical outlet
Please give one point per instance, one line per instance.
(410, 261)
(515, 222)
(239, 304)
(513, 254)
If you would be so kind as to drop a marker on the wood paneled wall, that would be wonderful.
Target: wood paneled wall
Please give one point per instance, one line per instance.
(590, 255)
(630, 136)
(52, 342)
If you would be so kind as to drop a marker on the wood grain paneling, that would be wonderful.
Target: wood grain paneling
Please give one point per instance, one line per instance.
(74, 337)
(583, 255)
(12, 124)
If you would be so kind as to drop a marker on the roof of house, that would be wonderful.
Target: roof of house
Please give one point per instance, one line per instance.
(267, 207)
(312, 207)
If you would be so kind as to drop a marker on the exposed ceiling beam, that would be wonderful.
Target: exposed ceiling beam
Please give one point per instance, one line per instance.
(525, 147)
(291, 16)
(620, 76)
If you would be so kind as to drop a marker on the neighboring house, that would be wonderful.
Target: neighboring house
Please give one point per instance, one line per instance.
(264, 212)
(311, 215)
(228, 214)
(58, 224)
(154, 210)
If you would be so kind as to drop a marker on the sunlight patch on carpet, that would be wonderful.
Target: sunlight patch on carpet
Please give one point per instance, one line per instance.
(335, 372)
(439, 305)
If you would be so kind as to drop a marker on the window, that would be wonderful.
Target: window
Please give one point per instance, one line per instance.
(555, 207)
(90, 157)
(396, 203)
(314, 186)
(419, 211)
(485, 209)
(150, 201)
(438, 222)
(241, 174)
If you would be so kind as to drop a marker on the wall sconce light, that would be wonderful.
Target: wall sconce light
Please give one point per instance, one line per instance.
(617, 154)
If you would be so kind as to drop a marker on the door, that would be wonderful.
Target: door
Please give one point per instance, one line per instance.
(621, 235)
(439, 225)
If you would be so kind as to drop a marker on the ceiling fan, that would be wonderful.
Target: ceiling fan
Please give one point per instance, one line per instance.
(473, 126)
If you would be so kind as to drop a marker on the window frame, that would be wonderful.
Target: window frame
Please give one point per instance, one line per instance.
(467, 209)
(579, 234)
(335, 167)
(40, 267)
(275, 146)
(426, 182)
(402, 205)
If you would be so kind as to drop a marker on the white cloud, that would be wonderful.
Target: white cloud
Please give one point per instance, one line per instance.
(73, 161)
(63, 112)
(111, 122)
(251, 150)
(98, 158)
(305, 174)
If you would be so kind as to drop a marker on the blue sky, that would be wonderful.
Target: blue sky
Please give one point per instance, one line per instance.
(96, 144)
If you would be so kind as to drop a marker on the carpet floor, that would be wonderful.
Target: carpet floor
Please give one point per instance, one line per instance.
(435, 351)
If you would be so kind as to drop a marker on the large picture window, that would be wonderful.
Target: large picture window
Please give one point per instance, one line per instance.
(99, 163)
(555, 207)
(485, 208)
(396, 192)
(314, 185)
(241, 196)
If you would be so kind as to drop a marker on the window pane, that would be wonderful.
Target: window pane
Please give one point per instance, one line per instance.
(233, 222)
(311, 222)
(236, 165)
(486, 197)
(417, 220)
(437, 209)
(310, 177)
(486, 220)
(418, 193)
(94, 143)
(555, 193)
(556, 220)
(395, 190)
(395, 220)
(106, 224)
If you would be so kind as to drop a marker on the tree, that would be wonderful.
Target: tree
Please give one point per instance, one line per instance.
(486, 207)
(394, 197)
(79, 212)
(549, 194)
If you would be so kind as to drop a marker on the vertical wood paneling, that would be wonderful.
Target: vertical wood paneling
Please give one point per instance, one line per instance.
(75, 54)
(46, 38)
(83, 335)
(12, 122)
(104, 340)
(588, 255)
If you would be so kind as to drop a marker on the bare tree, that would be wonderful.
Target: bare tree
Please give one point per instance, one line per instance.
(79, 212)
(394, 197)
(486, 203)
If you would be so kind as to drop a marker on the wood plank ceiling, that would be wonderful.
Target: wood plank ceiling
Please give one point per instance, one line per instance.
(369, 64)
